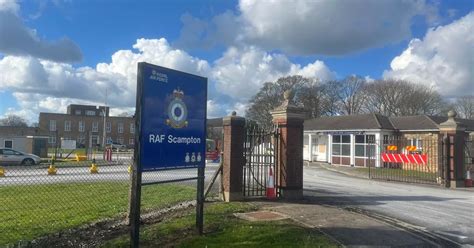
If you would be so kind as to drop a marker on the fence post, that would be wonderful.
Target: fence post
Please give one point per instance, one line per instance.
(289, 119)
(234, 161)
(455, 134)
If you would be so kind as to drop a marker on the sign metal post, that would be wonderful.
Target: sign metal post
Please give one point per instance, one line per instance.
(170, 133)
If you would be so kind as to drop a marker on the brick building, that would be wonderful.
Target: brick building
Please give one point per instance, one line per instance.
(85, 124)
(345, 140)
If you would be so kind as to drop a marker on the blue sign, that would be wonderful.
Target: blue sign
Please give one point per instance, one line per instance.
(171, 114)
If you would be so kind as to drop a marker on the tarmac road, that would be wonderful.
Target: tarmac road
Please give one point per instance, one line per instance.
(22, 175)
(446, 213)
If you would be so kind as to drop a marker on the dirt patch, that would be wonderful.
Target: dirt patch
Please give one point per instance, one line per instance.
(95, 234)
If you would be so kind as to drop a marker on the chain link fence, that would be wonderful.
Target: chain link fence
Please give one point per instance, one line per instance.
(72, 188)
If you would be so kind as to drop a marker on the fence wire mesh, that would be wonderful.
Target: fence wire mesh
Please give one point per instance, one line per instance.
(83, 187)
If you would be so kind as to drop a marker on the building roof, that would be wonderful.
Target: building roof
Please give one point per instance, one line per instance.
(416, 122)
(349, 122)
(7, 131)
(376, 121)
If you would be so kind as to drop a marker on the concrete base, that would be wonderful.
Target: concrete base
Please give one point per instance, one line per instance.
(456, 184)
(233, 196)
(291, 194)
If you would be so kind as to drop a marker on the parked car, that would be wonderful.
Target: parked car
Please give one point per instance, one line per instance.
(118, 147)
(11, 157)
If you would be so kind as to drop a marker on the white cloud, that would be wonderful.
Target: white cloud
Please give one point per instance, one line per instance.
(10, 6)
(306, 27)
(17, 39)
(42, 85)
(241, 72)
(443, 59)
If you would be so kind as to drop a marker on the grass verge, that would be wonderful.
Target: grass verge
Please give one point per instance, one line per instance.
(27, 212)
(222, 229)
(399, 174)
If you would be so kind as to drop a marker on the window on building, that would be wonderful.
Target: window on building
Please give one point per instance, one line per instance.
(8, 143)
(90, 112)
(78, 112)
(132, 127)
(67, 126)
(52, 139)
(108, 127)
(52, 125)
(120, 127)
(95, 126)
(81, 140)
(364, 146)
(109, 140)
(120, 140)
(131, 141)
(341, 145)
(82, 126)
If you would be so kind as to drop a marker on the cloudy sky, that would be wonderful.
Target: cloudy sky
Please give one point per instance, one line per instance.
(58, 52)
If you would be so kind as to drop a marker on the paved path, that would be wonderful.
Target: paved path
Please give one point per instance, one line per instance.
(443, 212)
(345, 227)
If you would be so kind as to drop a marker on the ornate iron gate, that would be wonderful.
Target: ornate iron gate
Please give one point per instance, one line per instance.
(408, 159)
(469, 155)
(261, 147)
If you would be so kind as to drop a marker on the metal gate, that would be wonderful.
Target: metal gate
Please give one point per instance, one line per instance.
(408, 159)
(261, 147)
(469, 155)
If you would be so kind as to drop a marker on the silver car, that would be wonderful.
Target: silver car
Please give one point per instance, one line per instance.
(11, 157)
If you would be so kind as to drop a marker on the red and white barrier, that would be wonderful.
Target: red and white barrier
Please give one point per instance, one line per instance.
(404, 158)
(108, 155)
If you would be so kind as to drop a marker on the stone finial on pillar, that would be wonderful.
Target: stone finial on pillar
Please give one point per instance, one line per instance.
(289, 119)
(234, 135)
(455, 136)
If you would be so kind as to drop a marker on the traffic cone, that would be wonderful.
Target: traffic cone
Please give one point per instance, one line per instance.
(271, 192)
(468, 180)
(2, 172)
(52, 169)
(94, 169)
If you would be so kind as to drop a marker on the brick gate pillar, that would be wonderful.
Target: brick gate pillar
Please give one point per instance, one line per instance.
(455, 136)
(289, 119)
(234, 161)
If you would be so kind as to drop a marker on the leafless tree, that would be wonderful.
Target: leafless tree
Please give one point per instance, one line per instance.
(465, 106)
(349, 94)
(270, 96)
(13, 121)
(398, 98)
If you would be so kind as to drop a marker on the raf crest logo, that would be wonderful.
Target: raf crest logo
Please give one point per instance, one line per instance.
(177, 111)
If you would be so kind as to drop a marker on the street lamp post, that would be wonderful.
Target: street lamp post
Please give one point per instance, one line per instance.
(104, 113)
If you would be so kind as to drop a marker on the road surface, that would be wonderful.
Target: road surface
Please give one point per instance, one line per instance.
(22, 175)
(445, 212)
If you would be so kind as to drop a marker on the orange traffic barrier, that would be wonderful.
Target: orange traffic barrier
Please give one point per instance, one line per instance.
(392, 148)
(410, 148)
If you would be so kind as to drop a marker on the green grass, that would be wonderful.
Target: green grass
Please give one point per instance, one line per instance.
(400, 174)
(222, 229)
(27, 212)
